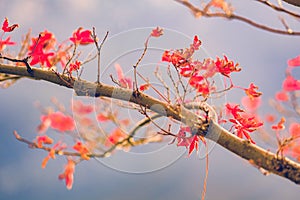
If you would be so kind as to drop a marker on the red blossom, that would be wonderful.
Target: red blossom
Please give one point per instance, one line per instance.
(5, 42)
(116, 136)
(68, 174)
(226, 67)
(251, 104)
(60, 121)
(79, 108)
(157, 32)
(294, 62)
(196, 43)
(200, 83)
(144, 87)
(282, 96)
(124, 82)
(294, 130)
(82, 37)
(243, 124)
(186, 71)
(51, 154)
(295, 151)
(6, 27)
(290, 84)
(194, 144)
(74, 66)
(82, 149)
(43, 140)
(279, 125)
(251, 91)
(190, 142)
(176, 58)
(40, 47)
(234, 110)
(270, 118)
(102, 118)
(42, 58)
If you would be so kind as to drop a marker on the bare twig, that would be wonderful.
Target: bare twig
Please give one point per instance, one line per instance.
(279, 9)
(200, 12)
(99, 47)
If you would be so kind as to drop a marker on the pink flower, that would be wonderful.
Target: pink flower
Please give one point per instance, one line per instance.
(74, 66)
(294, 129)
(82, 37)
(281, 96)
(157, 32)
(294, 62)
(68, 174)
(291, 84)
(125, 82)
(59, 121)
(251, 104)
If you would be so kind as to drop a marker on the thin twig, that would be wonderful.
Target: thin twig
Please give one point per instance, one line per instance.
(99, 47)
(199, 12)
(278, 8)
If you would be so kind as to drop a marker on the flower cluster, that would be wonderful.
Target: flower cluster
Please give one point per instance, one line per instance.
(243, 124)
(199, 73)
(191, 142)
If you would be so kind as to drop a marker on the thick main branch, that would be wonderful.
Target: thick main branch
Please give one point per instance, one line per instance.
(269, 161)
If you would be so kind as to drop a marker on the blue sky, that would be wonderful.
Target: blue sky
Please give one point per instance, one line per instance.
(262, 56)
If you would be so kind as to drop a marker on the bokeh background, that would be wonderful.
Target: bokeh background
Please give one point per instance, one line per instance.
(262, 56)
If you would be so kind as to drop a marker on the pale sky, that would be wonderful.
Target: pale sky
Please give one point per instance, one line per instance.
(262, 56)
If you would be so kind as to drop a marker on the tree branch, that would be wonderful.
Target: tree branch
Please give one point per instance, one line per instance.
(203, 12)
(293, 2)
(283, 167)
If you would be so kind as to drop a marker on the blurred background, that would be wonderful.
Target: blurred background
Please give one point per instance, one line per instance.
(261, 55)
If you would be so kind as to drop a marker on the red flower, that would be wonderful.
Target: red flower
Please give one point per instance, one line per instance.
(116, 136)
(279, 125)
(79, 108)
(74, 66)
(157, 32)
(192, 142)
(59, 121)
(243, 125)
(282, 96)
(68, 174)
(40, 47)
(176, 58)
(251, 93)
(51, 154)
(6, 27)
(43, 140)
(294, 62)
(270, 118)
(3, 43)
(181, 137)
(124, 82)
(291, 84)
(234, 110)
(226, 67)
(294, 129)
(82, 37)
(144, 87)
(251, 104)
(103, 118)
(82, 149)
(200, 84)
(196, 43)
